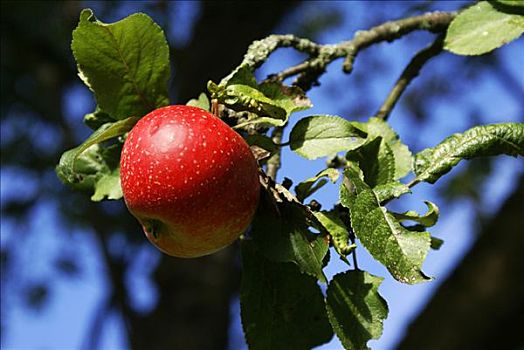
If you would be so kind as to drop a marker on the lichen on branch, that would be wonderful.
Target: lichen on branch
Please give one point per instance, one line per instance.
(320, 56)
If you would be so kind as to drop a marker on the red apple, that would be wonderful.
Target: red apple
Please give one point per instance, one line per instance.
(189, 179)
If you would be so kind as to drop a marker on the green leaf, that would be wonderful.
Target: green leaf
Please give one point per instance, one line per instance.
(377, 127)
(429, 219)
(125, 64)
(281, 232)
(479, 141)
(242, 75)
(355, 308)
(376, 160)
(280, 307)
(338, 231)
(307, 187)
(254, 100)
(401, 251)
(91, 171)
(390, 190)
(290, 98)
(108, 185)
(95, 169)
(97, 119)
(201, 102)
(271, 102)
(105, 132)
(481, 29)
(319, 136)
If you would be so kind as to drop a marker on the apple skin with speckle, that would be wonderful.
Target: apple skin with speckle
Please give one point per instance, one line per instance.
(189, 179)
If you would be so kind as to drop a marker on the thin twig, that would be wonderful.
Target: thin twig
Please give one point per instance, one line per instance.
(434, 22)
(413, 182)
(291, 71)
(320, 56)
(411, 71)
(354, 256)
(273, 163)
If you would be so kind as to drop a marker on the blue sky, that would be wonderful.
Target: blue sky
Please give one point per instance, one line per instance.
(63, 323)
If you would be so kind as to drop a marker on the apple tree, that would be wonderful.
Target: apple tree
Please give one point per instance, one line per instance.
(287, 245)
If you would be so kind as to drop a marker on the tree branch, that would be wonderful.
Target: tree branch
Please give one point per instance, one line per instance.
(321, 55)
(259, 51)
(411, 71)
(434, 22)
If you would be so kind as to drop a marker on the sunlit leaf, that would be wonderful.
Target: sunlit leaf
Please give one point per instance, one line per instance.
(338, 231)
(429, 219)
(479, 141)
(481, 29)
(201, 102)
(108, 185)
(376, 160)
(98, 118)
(269, 102)
(512, 3)
(401, 251)
(96, 169)
(319, 136)
(377, 127)
(91, 171)
(103, 133)
(125, 64)
(390, 190)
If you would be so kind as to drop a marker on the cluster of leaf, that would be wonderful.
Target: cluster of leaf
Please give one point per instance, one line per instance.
(268, 103)
(126, 66)
(287, 247)
(281, 232)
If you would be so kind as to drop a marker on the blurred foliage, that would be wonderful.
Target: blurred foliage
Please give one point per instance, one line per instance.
(36, 295)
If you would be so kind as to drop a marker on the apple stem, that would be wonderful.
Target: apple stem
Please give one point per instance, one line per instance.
(214, 108)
